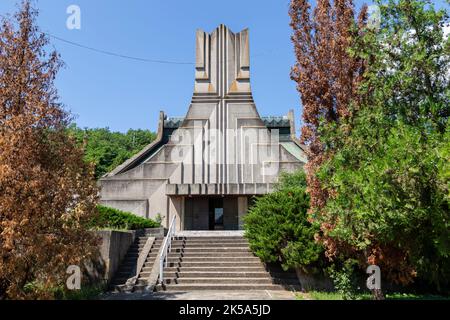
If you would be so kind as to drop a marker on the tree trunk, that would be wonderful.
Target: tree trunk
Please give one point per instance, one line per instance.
(378, 294)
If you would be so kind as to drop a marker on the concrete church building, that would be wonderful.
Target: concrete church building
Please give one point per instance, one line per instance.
(206, 167)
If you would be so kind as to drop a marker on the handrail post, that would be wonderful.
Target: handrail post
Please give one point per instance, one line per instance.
(166, 248)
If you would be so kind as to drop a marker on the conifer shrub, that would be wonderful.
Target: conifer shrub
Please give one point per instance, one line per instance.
(277, 226)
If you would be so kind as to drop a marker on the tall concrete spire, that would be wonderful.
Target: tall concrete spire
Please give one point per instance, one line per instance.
(221, 149)
(222, 63)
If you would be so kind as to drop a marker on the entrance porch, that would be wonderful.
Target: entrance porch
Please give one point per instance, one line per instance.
(213, 212)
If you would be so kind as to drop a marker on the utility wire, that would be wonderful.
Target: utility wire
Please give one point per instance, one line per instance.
(125, 56)
(117, 54)
(113, 53)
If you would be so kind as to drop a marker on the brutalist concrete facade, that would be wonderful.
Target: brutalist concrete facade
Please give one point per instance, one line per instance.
(207, 166)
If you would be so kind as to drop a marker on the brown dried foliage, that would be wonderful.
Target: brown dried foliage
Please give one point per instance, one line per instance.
(47, 192)
(327, 76)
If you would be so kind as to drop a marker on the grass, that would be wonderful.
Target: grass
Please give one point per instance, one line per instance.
(322, 295)
(85, 293)
(409, 296)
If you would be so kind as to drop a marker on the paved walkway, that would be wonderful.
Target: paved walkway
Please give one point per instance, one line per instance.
(204, 295)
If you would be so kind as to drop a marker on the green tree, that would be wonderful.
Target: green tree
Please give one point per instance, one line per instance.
(106, 149)
(389, 173)
(277, 227)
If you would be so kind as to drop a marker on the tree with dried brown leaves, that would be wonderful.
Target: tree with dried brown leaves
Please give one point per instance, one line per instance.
(327, 76)
(47, 191)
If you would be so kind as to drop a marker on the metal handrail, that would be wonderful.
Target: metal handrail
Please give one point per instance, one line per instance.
(166, 248)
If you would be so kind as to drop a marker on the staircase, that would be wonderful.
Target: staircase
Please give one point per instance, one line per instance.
(220, 263)
(127, 269)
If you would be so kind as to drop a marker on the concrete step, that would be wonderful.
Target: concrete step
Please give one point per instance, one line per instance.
(148, 264)
(144, 274)
(193, 287)
(231, 254)
(139, 287)
(213, 259)
(134, 253)
(220, 263)
(218, 243)
(147, 269)
(211, 239)
(212, 243)
(118, 287)
(212, 274)
(216, 263)
(215, 268)
(236, 281)
(211, 249)
(208, 247)
(141, 246)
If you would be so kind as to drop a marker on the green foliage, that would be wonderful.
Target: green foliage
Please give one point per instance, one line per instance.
(323, 295)
(390, 173)
(295, 179)
(277, 227)
(107, 149)
(344, 279)
(110, 218)
(87, 292)
(159, 219)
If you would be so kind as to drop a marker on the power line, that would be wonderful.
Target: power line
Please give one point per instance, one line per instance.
(117, 54)
(126, 56)
(114, 54)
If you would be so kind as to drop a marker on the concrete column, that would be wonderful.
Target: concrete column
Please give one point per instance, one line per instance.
(182, 213)
(242, 210)
(175, 207)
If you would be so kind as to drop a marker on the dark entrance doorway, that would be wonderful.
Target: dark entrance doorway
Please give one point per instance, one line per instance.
(216, 214)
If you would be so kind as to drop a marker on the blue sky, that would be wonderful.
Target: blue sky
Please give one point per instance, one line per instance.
(107, 91)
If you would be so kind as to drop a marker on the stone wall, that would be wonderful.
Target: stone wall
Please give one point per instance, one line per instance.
(113, 248)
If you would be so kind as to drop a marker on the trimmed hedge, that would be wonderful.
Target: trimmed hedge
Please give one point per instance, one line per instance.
(110, 218)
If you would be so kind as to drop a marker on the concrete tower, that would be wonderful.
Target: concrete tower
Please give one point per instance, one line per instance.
(206, 167)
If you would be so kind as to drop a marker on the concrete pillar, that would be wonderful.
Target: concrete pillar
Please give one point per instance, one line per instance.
(242, 210)
(182, 227)
(175, 207)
